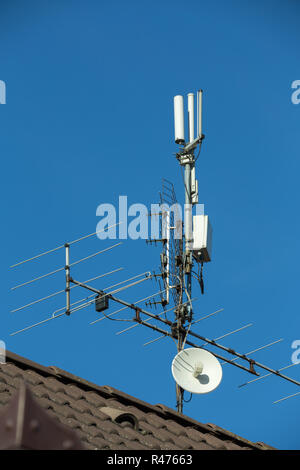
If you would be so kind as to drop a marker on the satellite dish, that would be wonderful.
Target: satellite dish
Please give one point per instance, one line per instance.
(196, 370)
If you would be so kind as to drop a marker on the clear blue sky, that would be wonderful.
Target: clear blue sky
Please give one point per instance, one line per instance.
(89, 117)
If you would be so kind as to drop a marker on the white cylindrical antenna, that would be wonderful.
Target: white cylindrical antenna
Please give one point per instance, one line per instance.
(179, 119)
(199, 112)
(191, 116)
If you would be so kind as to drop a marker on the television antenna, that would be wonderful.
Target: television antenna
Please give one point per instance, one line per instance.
(186, 242)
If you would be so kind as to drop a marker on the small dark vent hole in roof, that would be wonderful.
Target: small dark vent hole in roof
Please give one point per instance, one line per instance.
(122, 418)
(126, 420)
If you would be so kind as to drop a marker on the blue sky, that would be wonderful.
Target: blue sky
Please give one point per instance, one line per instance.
(89, 117)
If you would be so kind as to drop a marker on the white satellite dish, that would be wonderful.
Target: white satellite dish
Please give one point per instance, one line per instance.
(196, 370)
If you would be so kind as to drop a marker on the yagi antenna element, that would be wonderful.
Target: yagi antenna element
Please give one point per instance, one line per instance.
(196, 370)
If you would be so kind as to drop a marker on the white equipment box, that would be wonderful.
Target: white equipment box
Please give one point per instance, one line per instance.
(202, 235)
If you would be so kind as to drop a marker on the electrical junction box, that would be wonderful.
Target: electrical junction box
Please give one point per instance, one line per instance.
(202, 238)
(101, 302)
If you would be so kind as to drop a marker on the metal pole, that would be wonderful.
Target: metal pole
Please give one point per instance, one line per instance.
(188, 224)
(168, 257)
(187, 162)
(67, 268)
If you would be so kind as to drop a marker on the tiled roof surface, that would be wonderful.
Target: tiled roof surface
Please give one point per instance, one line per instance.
(105, 418)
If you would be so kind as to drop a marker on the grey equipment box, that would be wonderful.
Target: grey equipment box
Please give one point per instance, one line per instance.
(202, 236)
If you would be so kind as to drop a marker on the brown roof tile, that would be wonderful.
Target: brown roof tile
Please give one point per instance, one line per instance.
(133, 445)
(10, 380)
(129, 433)
(73, 391)
(201, 446)
(214, 442)
(4, 387)
(115, 438)
(99, 443)
(13, 371)
(54, 385)
(109, 427)
(175, 428)
(184, 442)
(165, 436)
(4, 398)
(94, 399)
(169, 446)
(33, 378)
(195, 435)
(147, 428)
(120, 447)
(155, 420)
(149, 442)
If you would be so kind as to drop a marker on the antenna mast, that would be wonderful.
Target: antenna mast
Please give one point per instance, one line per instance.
(186, 158)
(195, 369)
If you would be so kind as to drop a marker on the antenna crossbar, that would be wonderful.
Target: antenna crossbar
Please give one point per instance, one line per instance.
(124, 308)
(260, 349)
(182, 331)
(149, 319)
(197, 321)
(170, 335)
(276, 372)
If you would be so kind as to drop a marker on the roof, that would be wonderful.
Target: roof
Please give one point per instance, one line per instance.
(25, 425)
(106, 418)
